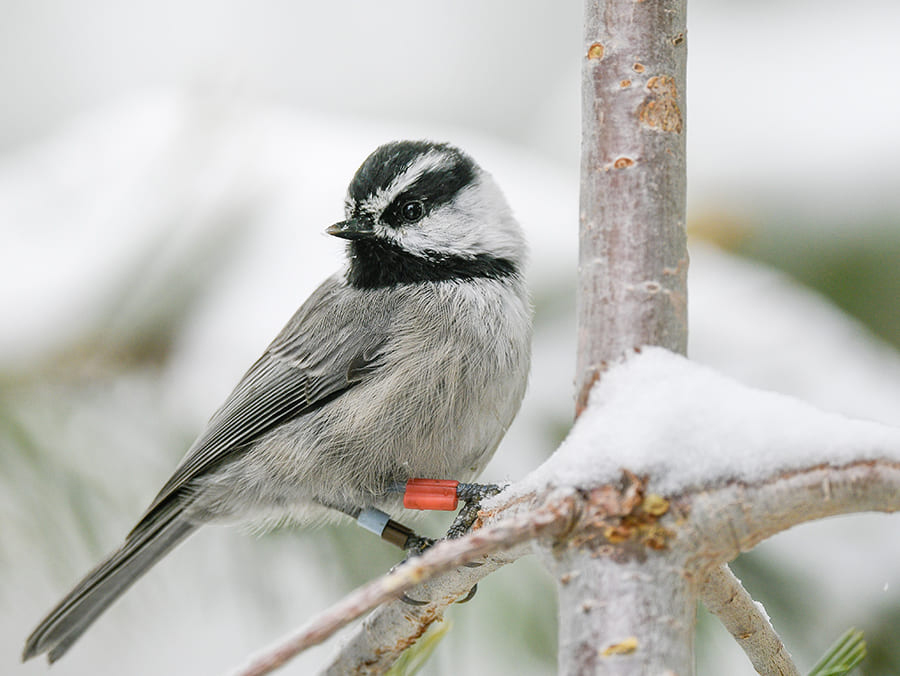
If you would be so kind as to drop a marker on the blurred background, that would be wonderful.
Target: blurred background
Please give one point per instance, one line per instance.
(167, 170)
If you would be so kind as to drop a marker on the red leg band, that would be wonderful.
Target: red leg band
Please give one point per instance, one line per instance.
(431, 494)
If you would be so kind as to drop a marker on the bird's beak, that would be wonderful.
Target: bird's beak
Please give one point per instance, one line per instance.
(352, 228)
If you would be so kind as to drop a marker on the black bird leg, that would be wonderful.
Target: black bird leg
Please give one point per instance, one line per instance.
(471, 495)
(376, 521)
(408, 540)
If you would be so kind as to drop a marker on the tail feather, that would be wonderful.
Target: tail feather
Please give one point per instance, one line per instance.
(103, 585)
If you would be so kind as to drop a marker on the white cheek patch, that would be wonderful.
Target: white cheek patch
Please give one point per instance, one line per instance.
(415, 240)
(446, 230)
(477, 222)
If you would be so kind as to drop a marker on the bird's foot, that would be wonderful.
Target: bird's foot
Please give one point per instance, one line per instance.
(437, 495)
(471, 495)
(416, 545)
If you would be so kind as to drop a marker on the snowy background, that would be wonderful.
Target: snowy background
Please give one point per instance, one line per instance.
(166, 174)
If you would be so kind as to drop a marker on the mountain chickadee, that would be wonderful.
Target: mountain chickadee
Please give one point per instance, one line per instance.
(409, 363)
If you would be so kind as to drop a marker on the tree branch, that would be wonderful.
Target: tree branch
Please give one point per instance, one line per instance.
(737, 516)
(725, 597)
(614, 526)
(633, 579)
(384, 635)
(632, 261)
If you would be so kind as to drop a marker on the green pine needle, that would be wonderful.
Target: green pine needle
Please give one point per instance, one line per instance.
(848, 651)
(415, 657)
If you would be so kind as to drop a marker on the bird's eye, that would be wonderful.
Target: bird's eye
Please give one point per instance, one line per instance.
(412, 211)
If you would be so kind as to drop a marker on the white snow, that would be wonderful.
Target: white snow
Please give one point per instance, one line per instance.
(687, 426)
(762, 610)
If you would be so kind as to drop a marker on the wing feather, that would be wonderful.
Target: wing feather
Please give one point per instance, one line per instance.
(322, 352)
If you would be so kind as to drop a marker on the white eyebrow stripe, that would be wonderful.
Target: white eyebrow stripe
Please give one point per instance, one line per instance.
(430, 161)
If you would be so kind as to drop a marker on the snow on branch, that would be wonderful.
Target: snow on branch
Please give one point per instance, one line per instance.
(687, 427)
(671, 462)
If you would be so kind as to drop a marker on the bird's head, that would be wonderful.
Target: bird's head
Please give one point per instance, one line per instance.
(421, 211)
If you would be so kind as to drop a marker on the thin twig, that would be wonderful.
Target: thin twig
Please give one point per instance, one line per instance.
(725, 597)
(443, 557)
(736, 516)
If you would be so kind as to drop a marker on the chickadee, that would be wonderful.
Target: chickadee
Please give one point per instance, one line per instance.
(410, 362)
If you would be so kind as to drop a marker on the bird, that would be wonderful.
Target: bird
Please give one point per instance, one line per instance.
(411, 361)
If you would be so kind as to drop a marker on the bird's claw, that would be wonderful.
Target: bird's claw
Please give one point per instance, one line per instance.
(472, 495)
(411, 601)
(470, 595)
(415, 602)
(476, 492)
(416, 545)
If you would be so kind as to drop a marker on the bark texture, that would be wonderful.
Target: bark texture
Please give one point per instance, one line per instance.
(632, 250)
(628, 615)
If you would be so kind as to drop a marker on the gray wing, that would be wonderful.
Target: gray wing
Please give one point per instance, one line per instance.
(327, 347)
